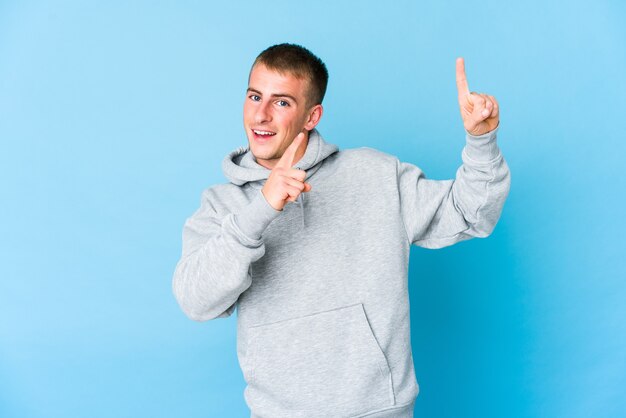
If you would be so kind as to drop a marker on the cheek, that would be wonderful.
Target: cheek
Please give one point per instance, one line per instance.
(290, 120)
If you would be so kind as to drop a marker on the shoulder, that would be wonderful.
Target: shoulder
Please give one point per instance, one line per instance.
(366, 157)
(218, 191)
(365, 165)
(223, 198)
(367, 154)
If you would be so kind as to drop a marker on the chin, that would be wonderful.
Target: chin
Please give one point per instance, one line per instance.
(258, 155)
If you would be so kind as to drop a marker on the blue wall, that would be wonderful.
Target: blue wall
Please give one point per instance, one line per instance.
(114, 117)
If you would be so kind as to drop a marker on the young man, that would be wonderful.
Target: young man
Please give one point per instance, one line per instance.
(312, 245)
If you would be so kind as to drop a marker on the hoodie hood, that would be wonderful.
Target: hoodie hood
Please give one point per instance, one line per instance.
(240, 166)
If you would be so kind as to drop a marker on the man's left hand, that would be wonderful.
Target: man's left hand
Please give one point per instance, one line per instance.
(480, 112)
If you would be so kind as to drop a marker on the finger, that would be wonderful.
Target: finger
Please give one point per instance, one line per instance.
(461, 79)
(477, 100)
(479, 106)
(292, 192)
(294, 183)
(295, 173)
(488, 106)
(307, 187)
(496, 108)
(287, 159)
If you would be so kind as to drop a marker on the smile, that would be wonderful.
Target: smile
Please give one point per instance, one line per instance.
(263, 133)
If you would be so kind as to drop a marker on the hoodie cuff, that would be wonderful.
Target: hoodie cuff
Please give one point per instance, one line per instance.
(482, 148)
(255, 217)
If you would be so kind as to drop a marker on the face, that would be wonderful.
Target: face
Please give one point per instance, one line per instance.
(274, 112)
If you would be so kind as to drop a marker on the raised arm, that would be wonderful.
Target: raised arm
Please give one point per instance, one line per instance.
(438, 213)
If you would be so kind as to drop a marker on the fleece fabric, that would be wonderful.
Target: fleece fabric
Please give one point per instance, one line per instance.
(321, 287)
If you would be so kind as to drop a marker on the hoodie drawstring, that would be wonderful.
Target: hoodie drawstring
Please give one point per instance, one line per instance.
(300, 201)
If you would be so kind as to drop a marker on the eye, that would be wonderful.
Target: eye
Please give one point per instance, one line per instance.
(282, 103)
(254, 97)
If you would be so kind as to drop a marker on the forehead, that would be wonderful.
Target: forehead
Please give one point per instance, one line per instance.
(271, 81)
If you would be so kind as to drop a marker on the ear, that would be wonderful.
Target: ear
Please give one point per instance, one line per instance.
(315, 114)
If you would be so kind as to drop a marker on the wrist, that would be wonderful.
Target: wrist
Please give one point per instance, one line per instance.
(483, 147)
(254, 218)
(274, 204)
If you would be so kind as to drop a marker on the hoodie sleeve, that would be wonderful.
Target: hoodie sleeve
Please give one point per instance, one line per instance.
(438, 213)
(216, 256)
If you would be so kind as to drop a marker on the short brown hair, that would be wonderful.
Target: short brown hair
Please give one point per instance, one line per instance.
(299, 61)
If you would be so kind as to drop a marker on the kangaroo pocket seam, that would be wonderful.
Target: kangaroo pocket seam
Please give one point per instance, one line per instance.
(303, 350)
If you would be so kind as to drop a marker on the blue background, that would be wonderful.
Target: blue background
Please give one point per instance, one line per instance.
(115, 115)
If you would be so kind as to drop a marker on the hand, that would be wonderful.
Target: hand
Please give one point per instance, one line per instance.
(480, 112)
(285, 183)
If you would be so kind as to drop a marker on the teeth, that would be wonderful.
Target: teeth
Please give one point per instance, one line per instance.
(263, 132)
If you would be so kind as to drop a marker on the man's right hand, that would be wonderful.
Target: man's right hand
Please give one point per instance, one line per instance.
(285, 183)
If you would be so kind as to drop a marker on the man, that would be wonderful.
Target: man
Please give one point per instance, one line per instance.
(312, 245)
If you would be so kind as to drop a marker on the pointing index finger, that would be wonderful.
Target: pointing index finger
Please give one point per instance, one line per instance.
(461, 79)
(286, 160)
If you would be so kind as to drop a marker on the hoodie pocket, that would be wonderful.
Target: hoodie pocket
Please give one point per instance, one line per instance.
(328, 363)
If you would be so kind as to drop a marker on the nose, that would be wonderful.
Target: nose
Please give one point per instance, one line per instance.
(263, 113)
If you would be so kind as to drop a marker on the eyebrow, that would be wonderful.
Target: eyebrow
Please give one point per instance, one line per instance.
(250, 89)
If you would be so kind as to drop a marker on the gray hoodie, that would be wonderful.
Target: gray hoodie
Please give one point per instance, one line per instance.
(321, 286)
